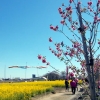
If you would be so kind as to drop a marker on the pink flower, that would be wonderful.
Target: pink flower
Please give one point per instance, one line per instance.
(58, 45)
(70, 12)
(83, 64)
(89, 3)
(58, 48)
(71, 74)
(91, 10)
(66, 53)
(67, 15)
(70, 1)
(76, 45)
(70, 54)
(98, 42)
(95, 18)
(54, 28)
(64, 17)
(39, 57)
(50, 48)
(73, 28)
(60, 10)
(43, 60)
(98, 19)
(62, 22)
(48, 63)
(72, 51)
(52, 51)
(50, 39)
(58, 55)
(73, 71)
(98, 1)
(79, 2)
(57, 27)
(51, 27)
(63, 4)
(76, 80)
(69, 8)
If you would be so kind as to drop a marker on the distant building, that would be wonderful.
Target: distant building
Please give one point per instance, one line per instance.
(52, 76)
(39, 79)
(33, 76)
(16, 79)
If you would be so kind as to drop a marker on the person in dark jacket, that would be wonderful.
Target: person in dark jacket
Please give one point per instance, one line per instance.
(76, 83)
(67, 84)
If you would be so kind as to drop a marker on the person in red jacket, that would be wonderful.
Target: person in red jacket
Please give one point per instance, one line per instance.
(73, 85)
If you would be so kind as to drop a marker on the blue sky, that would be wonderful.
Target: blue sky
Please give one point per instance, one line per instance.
(24, 32)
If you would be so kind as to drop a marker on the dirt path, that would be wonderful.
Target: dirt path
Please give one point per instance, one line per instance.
(59, 95)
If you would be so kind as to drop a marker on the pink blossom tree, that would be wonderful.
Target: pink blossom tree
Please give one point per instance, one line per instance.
(67, 55)
(82, 43)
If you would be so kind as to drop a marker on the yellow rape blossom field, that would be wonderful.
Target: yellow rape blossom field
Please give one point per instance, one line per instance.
(26, 90)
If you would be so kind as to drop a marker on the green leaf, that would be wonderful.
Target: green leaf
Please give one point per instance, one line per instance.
(62, 58)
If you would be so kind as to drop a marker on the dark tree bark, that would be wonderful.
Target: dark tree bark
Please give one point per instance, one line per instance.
(89, 60)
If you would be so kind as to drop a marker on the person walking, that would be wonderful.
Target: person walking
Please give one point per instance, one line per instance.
(67, 84)
(76, 83)
(73, 85)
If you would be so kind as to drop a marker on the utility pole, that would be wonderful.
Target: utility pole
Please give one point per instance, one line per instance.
(26, 71)
(5, 72)
(37, 70)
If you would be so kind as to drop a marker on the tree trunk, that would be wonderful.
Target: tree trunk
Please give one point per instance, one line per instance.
(88, 66)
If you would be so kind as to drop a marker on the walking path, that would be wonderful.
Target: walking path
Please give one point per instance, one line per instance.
(59, 95)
